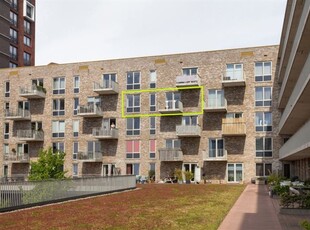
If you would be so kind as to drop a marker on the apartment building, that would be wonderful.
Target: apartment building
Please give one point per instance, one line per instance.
(293, 75)
(214, 113)
(17, 33)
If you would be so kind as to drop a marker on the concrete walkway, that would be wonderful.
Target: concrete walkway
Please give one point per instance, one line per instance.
(253, 210)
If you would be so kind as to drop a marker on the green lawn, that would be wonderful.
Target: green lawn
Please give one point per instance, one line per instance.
(152, 206)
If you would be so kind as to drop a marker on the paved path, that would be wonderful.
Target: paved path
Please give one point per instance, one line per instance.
(253, 210)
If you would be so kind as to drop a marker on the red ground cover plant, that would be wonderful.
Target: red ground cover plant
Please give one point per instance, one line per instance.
(151, 206)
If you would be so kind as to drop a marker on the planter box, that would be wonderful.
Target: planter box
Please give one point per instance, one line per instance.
(260, 182)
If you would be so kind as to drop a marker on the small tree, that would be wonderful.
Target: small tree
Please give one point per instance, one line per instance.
(49, 166)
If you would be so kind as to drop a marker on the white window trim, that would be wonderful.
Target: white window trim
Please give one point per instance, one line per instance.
(133, 107)
(263, 100)
(132, 153)
(264, 147)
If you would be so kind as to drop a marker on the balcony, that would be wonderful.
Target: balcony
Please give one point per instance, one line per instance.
(16, 158)
(17, 115)
(188, 130)
(89, 111)
(30, 135)
(101, 133)
(108, 87)
(233, 127)
(172, 106)
(89, 156)
(232, 79)
(188, 80)
(33, 92)
(216, 155)
(216, 105)
(168, 154)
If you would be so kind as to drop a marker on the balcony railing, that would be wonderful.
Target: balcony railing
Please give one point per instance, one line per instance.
(172, 106)
(32, 92)
(169, 154)
(107, 87)
(233, 127)
(16, 157)
(89, 111)
(101, 133)
(216, 155)
(30, 135)
(89, 156)
(188, 130)
(19, 114)
(216, 105)
(188, 80)
(231, 79)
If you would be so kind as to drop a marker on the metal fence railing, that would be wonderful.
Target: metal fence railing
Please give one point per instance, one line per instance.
(20, 194)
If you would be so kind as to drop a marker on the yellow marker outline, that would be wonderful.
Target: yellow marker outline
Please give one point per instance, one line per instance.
(124, 92)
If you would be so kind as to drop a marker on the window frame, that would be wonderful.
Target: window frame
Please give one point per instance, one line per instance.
(56, 147)
(134, 85)
(59, 133)
(152, 126)
(75, 150)
(264, 127)
(7, 89)
(132, 153)
(152, 153)
(6, 131)
(76, 104)
(75, 128)
(76, 84)
(264, 170)
(264, 102)
(190, 71)
(153, 75)
(133, 131)
(152, 106)
(57, 88)
(263, 76)
(264, 153)
(59, 107)
(134, 108)
(218, 152)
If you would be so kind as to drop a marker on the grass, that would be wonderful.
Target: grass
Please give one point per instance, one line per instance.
(153, 206)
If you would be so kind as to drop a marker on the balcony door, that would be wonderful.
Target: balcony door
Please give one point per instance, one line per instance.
(23, 108)
(172, 100)
(108, 79)
(173, 144)
(190, 120)
(193, 167)
(234, 72)
(234, 172)
(215, 98)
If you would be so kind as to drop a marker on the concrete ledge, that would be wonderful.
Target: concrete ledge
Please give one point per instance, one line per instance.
(295, 211)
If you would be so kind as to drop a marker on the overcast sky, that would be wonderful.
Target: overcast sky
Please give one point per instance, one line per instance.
(86, 30)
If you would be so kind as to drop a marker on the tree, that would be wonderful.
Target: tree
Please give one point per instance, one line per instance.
(49, 166)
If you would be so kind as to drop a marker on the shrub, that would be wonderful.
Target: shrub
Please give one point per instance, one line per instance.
(305, 225)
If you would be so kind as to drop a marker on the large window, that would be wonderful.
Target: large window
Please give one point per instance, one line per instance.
(190, 71)
(29, 10)
(172, 100)
(133, 126)
(76, 103)
(234, 72)
(153, 78)
(58, 128)
(152, 102)
(27, 58)
(234, 172)
(6, 130)
(152, 149)
(263, 147)
(263, 121)
(108, 78)
(13, 35)
(7, 89)
(58, 107)
(22, 149)
(75, 150)
(58, 147)
(76, 84)
(59, 85)
(14, 4)
(75, 126)
(93, 148)
(152, 125)
(263, 96)
(190, 120)
(133, 80)
(133, 103)
(133, 149)
(216, 148)
(263, 71)
(216, 98)
(13, 18)
(173, 144)
(13, 52)
(263, 169)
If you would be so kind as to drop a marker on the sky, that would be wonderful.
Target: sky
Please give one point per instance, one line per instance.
(69, 31)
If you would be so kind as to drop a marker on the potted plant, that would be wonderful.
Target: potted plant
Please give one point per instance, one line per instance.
(178, 173)
(188, 176)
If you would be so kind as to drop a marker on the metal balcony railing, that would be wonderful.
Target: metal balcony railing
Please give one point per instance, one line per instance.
(234, 78)
(32, 92)
(188, 130)
(101, 133)
(16, 157)
(89, 110)
(188, 80)
(30, 135)
(170, 154)
(89, 156)
(18, 114)
(107, 87)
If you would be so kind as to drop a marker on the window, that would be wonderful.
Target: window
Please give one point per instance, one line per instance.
(14, 4)
(133, 126)
(58, 147)
(6, 150)
(6, 130)
(133, 80)
(58, 128)
(75, 127)
(233, 115)
(133, 103)
(152, 168)
(93, 149)
(263, 169)
(36, 126)
(26, 58)
(133, 169)
(7, 105)
(216, 148)
(75, 169)
(173, 144)
(94, 101)
(12, 65)
(75, 150)
(22, 149)
(234, 72)
(108, 79)
(13, 18)
(235, 172)
(152, 149)
(108, 123)
(13, 52)
(172, 100)
(29, 10)
(23, 108)
(27, 27)
(76, 84)
(27, 41)
(190, 71)
(133, 149)
(190, 120)
(263, 121)
(152, 125)
(263, 71)
(152, 102)
(76, 104)
(58, 107)
(216, 98)
(263, 96)
(13, 35)
(263, 147)
(37, 82)
(7, 89)
(59, 85)
(153, 78)
(109, 170)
